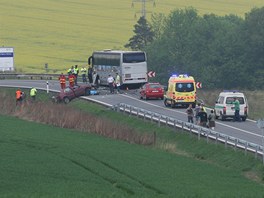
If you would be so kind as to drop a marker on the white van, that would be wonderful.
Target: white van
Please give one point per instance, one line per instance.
(224, 107)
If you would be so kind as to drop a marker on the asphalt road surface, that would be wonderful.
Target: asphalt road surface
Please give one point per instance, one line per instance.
(247, 130)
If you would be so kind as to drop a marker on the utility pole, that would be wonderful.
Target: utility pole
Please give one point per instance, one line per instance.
(143, 6)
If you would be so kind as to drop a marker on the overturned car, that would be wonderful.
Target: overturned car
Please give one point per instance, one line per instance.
(69, 93)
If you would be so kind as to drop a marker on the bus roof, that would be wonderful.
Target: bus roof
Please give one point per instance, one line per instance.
(109, 51)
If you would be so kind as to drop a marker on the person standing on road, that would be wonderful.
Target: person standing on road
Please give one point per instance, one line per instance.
(202, 107)
(202, 118)
(197, 110)
(76, 73)
(237, 109)
(96, 80)
(62, 80)
(71, 70)
(189, 112)
(211, 119)
(90, 74)
(110, 81)
(83, 72)
(71, 80)
(33, 93)
(118, 82)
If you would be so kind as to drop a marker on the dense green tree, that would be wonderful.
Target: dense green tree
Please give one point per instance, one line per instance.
(219, 51)
(214, 49)
(143, 35)
(253, 38)
(157, 21)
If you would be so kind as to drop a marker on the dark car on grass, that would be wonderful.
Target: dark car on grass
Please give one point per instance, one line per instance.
(69, 93)
(151, 90)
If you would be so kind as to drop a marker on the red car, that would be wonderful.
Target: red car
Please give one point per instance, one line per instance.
(69, 93)
(151, 90)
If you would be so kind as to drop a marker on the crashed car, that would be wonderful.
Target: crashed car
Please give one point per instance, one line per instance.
(69, 93)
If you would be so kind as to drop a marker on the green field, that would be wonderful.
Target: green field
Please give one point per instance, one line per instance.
(62, 33)
(40, 160)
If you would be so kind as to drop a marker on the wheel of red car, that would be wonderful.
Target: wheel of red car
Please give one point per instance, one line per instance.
(66, 100)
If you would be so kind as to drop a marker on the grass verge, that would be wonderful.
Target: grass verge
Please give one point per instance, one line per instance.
(47, 161)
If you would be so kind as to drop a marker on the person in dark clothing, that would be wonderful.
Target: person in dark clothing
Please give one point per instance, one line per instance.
(237, 109)
(96, 79)
(90, 75)
(189, 112)
(76, 73)
(202, 118)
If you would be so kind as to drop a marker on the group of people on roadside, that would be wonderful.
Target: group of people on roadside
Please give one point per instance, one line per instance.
(93, 78)
(201, 117)
(204, 120)
(20, 95)
(73, 74)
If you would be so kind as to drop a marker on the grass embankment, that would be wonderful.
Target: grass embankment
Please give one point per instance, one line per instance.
(64, 33)
(43, 160)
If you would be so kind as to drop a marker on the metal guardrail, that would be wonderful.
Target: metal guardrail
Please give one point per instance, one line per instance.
(4, 76)
(161, 119)
(190, 128)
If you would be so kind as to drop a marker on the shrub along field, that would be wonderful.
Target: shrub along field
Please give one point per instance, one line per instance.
(62, 33)
(45, 160)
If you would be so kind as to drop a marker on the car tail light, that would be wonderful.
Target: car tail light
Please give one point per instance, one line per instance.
(245, 110)
(224, 110)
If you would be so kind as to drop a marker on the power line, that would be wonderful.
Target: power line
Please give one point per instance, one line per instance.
(143, 6)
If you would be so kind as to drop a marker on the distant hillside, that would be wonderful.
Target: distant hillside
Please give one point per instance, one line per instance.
(62, 33)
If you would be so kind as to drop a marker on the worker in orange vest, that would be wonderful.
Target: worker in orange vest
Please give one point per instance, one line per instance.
(62, 80)
(18, 96)
(71, 80)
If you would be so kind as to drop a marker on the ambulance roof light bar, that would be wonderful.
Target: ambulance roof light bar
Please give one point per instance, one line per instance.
(180, 75)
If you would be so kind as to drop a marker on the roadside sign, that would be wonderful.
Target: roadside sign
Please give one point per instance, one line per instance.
(198, 85)
(6, 58)
(151, 74)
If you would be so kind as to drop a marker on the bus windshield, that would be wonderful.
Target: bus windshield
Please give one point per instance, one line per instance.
(184, 87)
(107, 59)
(134, 57)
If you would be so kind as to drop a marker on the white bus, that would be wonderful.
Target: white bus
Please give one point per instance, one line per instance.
(131, 66)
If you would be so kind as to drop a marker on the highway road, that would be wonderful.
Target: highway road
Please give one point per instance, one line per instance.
(247, 130)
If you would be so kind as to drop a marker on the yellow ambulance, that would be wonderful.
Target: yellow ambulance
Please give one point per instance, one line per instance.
(181, 91)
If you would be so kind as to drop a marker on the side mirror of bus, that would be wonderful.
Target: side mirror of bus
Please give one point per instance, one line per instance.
(165, 88)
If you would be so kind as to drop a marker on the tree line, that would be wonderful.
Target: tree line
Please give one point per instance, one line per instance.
(220, 51)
